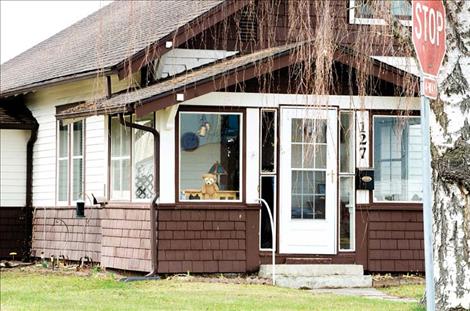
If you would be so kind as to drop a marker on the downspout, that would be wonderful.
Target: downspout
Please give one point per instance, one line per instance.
(156, 179)
(28, 209)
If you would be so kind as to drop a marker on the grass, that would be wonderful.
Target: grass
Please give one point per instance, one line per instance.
(47, 291)
(408, 291)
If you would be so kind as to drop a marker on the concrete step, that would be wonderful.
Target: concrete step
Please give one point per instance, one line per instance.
(327, 281)
(311, 270)
(318, 276)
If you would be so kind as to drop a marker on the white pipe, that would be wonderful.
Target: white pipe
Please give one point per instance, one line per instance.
(273, 238)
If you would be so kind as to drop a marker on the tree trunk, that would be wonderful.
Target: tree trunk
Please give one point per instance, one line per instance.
(450, 151)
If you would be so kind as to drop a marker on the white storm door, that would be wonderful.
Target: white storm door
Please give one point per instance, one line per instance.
(308, 181)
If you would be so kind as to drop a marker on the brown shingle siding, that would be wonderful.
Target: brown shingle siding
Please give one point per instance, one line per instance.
(394, 240)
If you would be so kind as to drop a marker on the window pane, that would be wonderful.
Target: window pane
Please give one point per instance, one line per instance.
(397, 159)
(120, 160)
(210, 147)
(346, 163)
(143, 160)
(400, 8)
(63, 140)
(268, 193)
(77, 182)
(78, 138)
(268, 140)
(346, 193)
(63, 180)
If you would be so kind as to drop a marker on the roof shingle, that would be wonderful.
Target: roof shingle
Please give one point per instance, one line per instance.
(100, 40)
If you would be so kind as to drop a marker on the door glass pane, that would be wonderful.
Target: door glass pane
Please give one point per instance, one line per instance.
(307, 206)
(320, 130)
(320, 178)
(320, 207)
(320, 156)
(308, 157)
(296, 207)
(296, 130)
(296, 156)
(296, 182)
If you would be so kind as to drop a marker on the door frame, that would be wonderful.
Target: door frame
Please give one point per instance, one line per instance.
(331, 172)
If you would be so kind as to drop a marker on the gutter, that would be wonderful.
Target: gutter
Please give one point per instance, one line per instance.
(154, 205)
(27, 210)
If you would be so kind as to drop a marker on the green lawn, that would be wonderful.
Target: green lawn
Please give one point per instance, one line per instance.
(408, 291)
(48, 291)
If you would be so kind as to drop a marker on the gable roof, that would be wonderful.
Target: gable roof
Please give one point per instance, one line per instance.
(212, 78)
(128, 101)
(100, 41)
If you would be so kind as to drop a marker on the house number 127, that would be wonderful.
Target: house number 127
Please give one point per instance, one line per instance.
(362, 140)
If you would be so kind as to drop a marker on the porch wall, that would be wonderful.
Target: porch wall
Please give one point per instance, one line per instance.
(12, 231)
(390, 239)
(199, 239)
(208, 239)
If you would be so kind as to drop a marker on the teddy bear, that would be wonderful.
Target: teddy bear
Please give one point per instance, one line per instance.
(209, 186)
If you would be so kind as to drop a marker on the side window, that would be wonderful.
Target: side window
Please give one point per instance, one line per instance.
(397, 159)
(70, 162)
(132, 161)
(364, 11)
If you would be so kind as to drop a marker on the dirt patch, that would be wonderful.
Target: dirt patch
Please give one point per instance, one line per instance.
(387, 280)
(96, 271)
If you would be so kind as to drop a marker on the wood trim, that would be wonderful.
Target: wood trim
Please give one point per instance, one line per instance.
(215, 83)
(242, 155)
(179, 37)
(209, 206)
(390, 207)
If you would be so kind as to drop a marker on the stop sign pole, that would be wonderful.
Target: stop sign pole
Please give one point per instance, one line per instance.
(429, 41)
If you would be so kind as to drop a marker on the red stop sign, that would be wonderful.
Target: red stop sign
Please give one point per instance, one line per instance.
(429, 34)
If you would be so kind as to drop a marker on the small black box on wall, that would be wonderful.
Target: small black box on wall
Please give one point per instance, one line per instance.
(365, 179)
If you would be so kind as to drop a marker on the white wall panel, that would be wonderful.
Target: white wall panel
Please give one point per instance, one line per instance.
(13, 144)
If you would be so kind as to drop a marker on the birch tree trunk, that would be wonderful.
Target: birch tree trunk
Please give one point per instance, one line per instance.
(450, 151)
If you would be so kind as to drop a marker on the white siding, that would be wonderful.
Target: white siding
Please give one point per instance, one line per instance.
(166, 126)
(13, 167)
(252, 155)
(43, 107)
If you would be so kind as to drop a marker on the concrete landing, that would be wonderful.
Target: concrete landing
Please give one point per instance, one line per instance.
(318, 276)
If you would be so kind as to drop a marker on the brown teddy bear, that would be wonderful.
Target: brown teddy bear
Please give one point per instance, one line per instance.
(209, 186)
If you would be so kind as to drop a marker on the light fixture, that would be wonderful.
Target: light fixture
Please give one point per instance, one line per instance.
(204, 128)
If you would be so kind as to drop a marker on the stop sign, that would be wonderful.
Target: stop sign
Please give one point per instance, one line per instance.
(429, 34)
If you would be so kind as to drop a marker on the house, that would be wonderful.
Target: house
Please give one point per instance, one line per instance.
(171, 119)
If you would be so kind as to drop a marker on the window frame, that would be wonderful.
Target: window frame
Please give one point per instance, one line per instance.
(70, 160)
(267, 174)
(380, 115)
(210, 110)
(344, 175)
(131, 198)
(371, 20)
